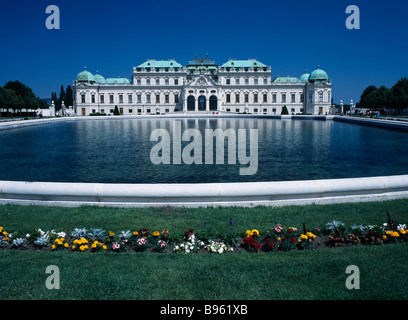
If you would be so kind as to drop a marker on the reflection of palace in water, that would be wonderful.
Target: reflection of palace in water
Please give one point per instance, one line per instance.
(237, 86)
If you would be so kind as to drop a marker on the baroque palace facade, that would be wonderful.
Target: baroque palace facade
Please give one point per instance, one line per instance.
(202, 86)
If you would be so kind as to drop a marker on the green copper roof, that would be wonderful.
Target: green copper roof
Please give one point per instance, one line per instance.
(318, 75)
(286, 80)
(99, 78)
(117, 81)
(160, 64)
(232, 63)
(199, 63)
(305, 77)
(85, 76)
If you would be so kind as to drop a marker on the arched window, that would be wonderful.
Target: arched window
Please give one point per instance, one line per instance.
(190, 103)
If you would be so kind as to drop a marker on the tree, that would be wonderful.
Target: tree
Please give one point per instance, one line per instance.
(116, 111)
(61, 98)
(399, 95)
(69, 97)
(285, 110)
(368, 97)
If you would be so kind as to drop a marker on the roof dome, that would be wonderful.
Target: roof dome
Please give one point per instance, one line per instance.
(85, 76)
(318, 75)
(99, 78)
(305, 77)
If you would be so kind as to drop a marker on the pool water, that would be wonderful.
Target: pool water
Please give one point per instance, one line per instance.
(118, 151)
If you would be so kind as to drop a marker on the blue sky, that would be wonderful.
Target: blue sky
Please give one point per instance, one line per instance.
(290, 36)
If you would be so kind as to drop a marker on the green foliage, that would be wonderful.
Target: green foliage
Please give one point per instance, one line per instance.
(285, 110)
(116, 111)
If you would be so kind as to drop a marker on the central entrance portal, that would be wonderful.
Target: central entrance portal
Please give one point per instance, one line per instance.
(201, 103)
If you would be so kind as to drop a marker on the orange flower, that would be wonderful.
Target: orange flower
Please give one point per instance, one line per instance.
(156, 234)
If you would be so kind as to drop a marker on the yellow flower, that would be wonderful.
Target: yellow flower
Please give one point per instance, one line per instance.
(62, 239)
(93, 245)
(395, 234)
(104, 247)
(156, 234)
(384, 237)
(402, 231)
(135, 233)
(4, 233)
(248, 233)
(1, 229)
(303, 236)
(96, 242)
(76, 241)
(82, 248)
(310, 235)
(73, 247)
(53, 247)
(66, 245)
(255, 232)
(279, 239)
(388, 232)
(111, 234)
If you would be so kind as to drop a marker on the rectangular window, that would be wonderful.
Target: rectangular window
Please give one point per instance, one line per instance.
(111, 98)
(302, 97)
(236, 81)
(166, 98)
(176, 82)
(293, 98)
(157, 82)
(148, 82)
(166, 82)
(311, 97)
(148, 98)
(167, 110)
(256, 81)
(102, 98)
(265, 81)
(246, 81)
(176, 98)
(228, 81)
(265, 98)
(130, 110)
(320, 96)
(228, 98)
(265, 110)
(121, 98)
(237, 110)
(130, 99)
(237, 98)
(255, 97)
(93, 110)
(274, 110)
(157, 98)
(246, 97)
(148, 110)
(274, 98)
(139, 82)
(93, 98)
(102, 110)
(139, 98)
(82, 98)
(293, 110)
(283, 97)
(255, 110)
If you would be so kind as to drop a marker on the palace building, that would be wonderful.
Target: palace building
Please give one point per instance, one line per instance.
(202, 86)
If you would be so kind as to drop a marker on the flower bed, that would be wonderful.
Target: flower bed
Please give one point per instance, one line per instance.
(275, 239)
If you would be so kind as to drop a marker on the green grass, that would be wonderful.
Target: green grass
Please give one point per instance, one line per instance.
(310, 274)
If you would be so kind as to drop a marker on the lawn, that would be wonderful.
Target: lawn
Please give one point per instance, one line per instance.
(308, 274)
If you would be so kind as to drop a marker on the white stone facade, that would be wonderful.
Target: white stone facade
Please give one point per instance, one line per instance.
(238, 86)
